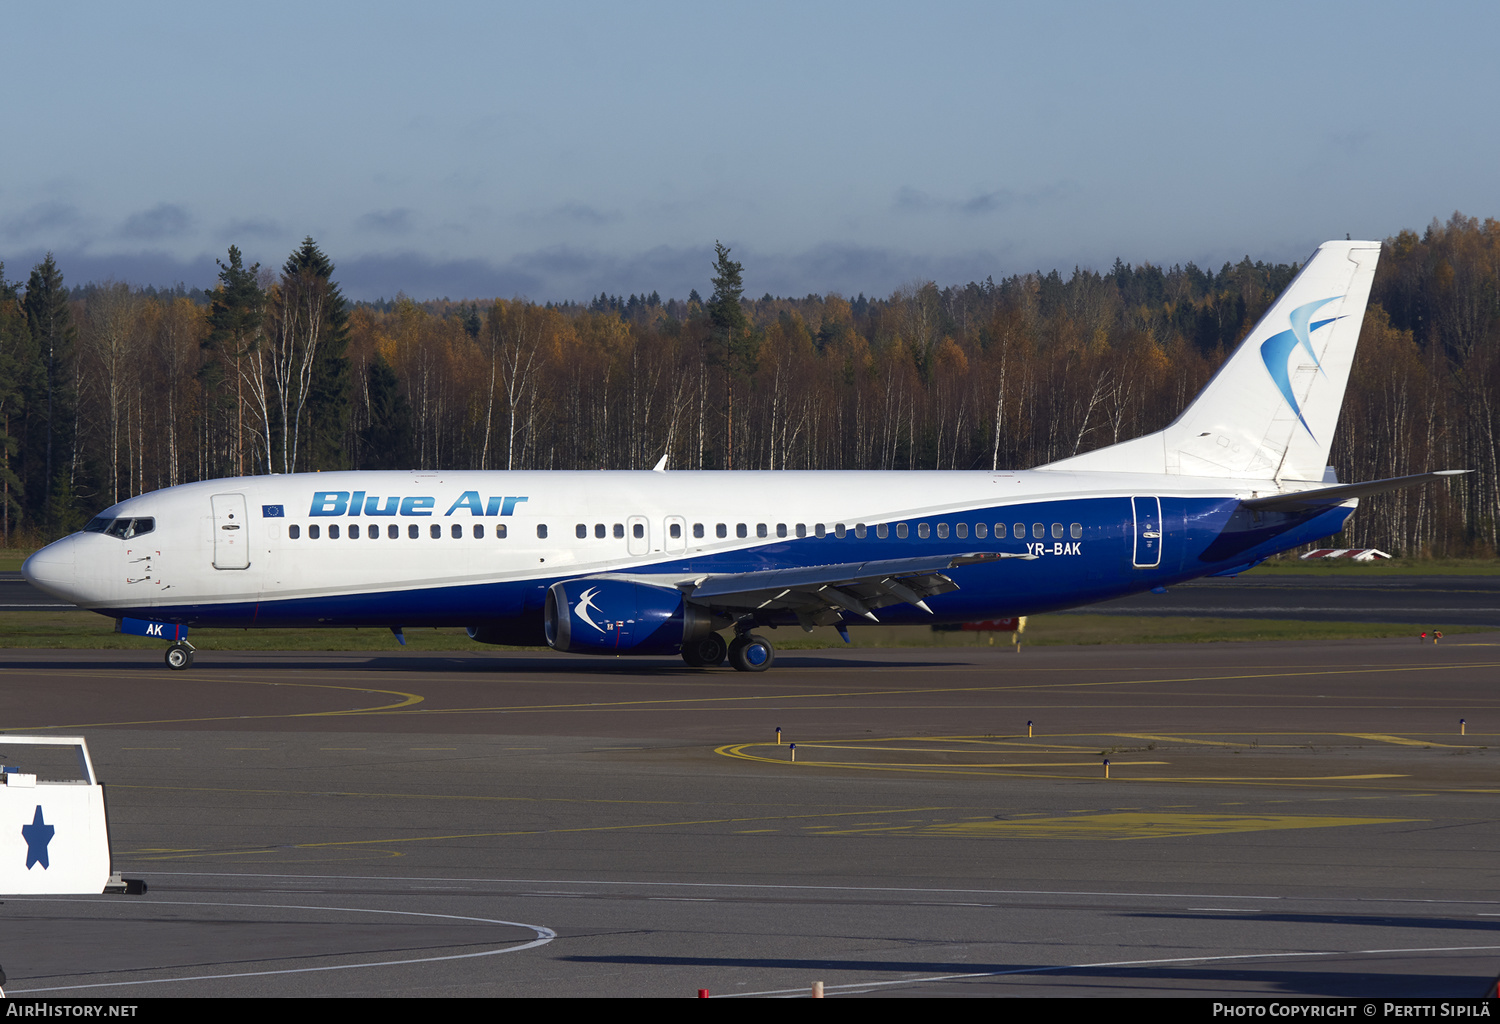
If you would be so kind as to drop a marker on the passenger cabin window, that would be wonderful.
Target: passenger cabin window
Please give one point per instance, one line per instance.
(541, 531)
(294, 531)
(820, 531)
(435, 531)
(1038, 531)
(760, 530)
(883, 531)
(600, 532)
(721, 531)
(412, 531)
(638, 530)
(981, 530)
(500, 531)
(456, 531)
(740, 530)
(840, 530)
(479, 531)
(619, 531)
(393, 532)
(961, 530)
(313, 531)
(333, 531)
(698, 530)
(781, 529)
(942, 529)
(802, 529)
(675, 531)
(924, 531)
(901, 531)
(354, 531)
(581, 531)
(1076, 530)
(1057, 531)
(999, 531)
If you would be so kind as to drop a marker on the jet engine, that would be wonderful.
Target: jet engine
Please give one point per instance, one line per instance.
(617, 616)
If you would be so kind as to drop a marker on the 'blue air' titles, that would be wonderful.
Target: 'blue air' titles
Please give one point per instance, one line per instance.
(345, 503)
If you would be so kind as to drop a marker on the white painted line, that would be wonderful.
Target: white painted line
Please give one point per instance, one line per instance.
(544, 936)
(864, 986)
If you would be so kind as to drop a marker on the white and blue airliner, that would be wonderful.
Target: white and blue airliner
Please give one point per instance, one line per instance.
(666, 562)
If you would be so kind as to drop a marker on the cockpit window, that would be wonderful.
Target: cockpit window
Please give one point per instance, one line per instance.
(98, 524)
(126, 528)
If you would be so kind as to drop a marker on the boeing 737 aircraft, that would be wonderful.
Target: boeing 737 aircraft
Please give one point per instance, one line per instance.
(663, 562)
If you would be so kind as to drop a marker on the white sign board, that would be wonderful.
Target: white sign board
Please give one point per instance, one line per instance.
(53, 834)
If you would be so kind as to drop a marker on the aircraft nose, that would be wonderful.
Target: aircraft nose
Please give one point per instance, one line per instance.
(54, 569)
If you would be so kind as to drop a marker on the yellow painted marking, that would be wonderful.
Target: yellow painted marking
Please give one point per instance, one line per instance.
(549, 831)
(386, 796)
(1148, 825)
(1179, 739)
(741, 751)
(407, 700)
(1403, 741)
(706, 702)
(738, 750)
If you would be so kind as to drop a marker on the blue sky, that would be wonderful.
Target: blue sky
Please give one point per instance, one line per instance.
(555, 151)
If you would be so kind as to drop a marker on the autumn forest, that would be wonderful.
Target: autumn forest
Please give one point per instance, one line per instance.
(108, 390)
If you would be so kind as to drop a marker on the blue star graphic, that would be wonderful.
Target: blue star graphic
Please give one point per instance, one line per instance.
(37, 835)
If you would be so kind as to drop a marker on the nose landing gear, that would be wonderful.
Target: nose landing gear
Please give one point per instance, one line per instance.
(180, 655)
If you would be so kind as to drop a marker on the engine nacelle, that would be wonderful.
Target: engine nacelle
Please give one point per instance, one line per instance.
(610, 616)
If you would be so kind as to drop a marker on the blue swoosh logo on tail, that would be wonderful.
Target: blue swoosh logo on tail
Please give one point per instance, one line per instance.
(1276, 351)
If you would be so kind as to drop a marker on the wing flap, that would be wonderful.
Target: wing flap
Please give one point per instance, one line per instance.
(822, 594)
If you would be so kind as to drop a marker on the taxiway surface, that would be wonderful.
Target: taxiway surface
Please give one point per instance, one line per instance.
(1279, 819)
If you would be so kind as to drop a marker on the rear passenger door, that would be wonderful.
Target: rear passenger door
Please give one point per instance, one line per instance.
(1148, 532)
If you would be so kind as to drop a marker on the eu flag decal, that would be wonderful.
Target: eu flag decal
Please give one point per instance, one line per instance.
(273, 511)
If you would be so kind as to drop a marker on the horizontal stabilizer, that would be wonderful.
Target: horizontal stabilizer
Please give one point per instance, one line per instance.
(1324, 496)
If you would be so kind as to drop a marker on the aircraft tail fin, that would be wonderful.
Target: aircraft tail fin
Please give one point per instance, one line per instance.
(1270, 411)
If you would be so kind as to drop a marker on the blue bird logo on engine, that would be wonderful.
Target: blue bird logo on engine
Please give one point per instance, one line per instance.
(1276, 351)
(585, 605)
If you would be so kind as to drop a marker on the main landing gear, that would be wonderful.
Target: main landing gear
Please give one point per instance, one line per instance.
(706, 651)
(748, 652)
(180, 655)
(751, 652)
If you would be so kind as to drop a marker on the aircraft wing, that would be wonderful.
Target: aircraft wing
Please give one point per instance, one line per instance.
(819, 594)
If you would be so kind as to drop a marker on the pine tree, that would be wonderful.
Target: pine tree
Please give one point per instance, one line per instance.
(387, 442)
(50, 395)
(729, 331)
(234, 324)
(315, 329)
(14, 344)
